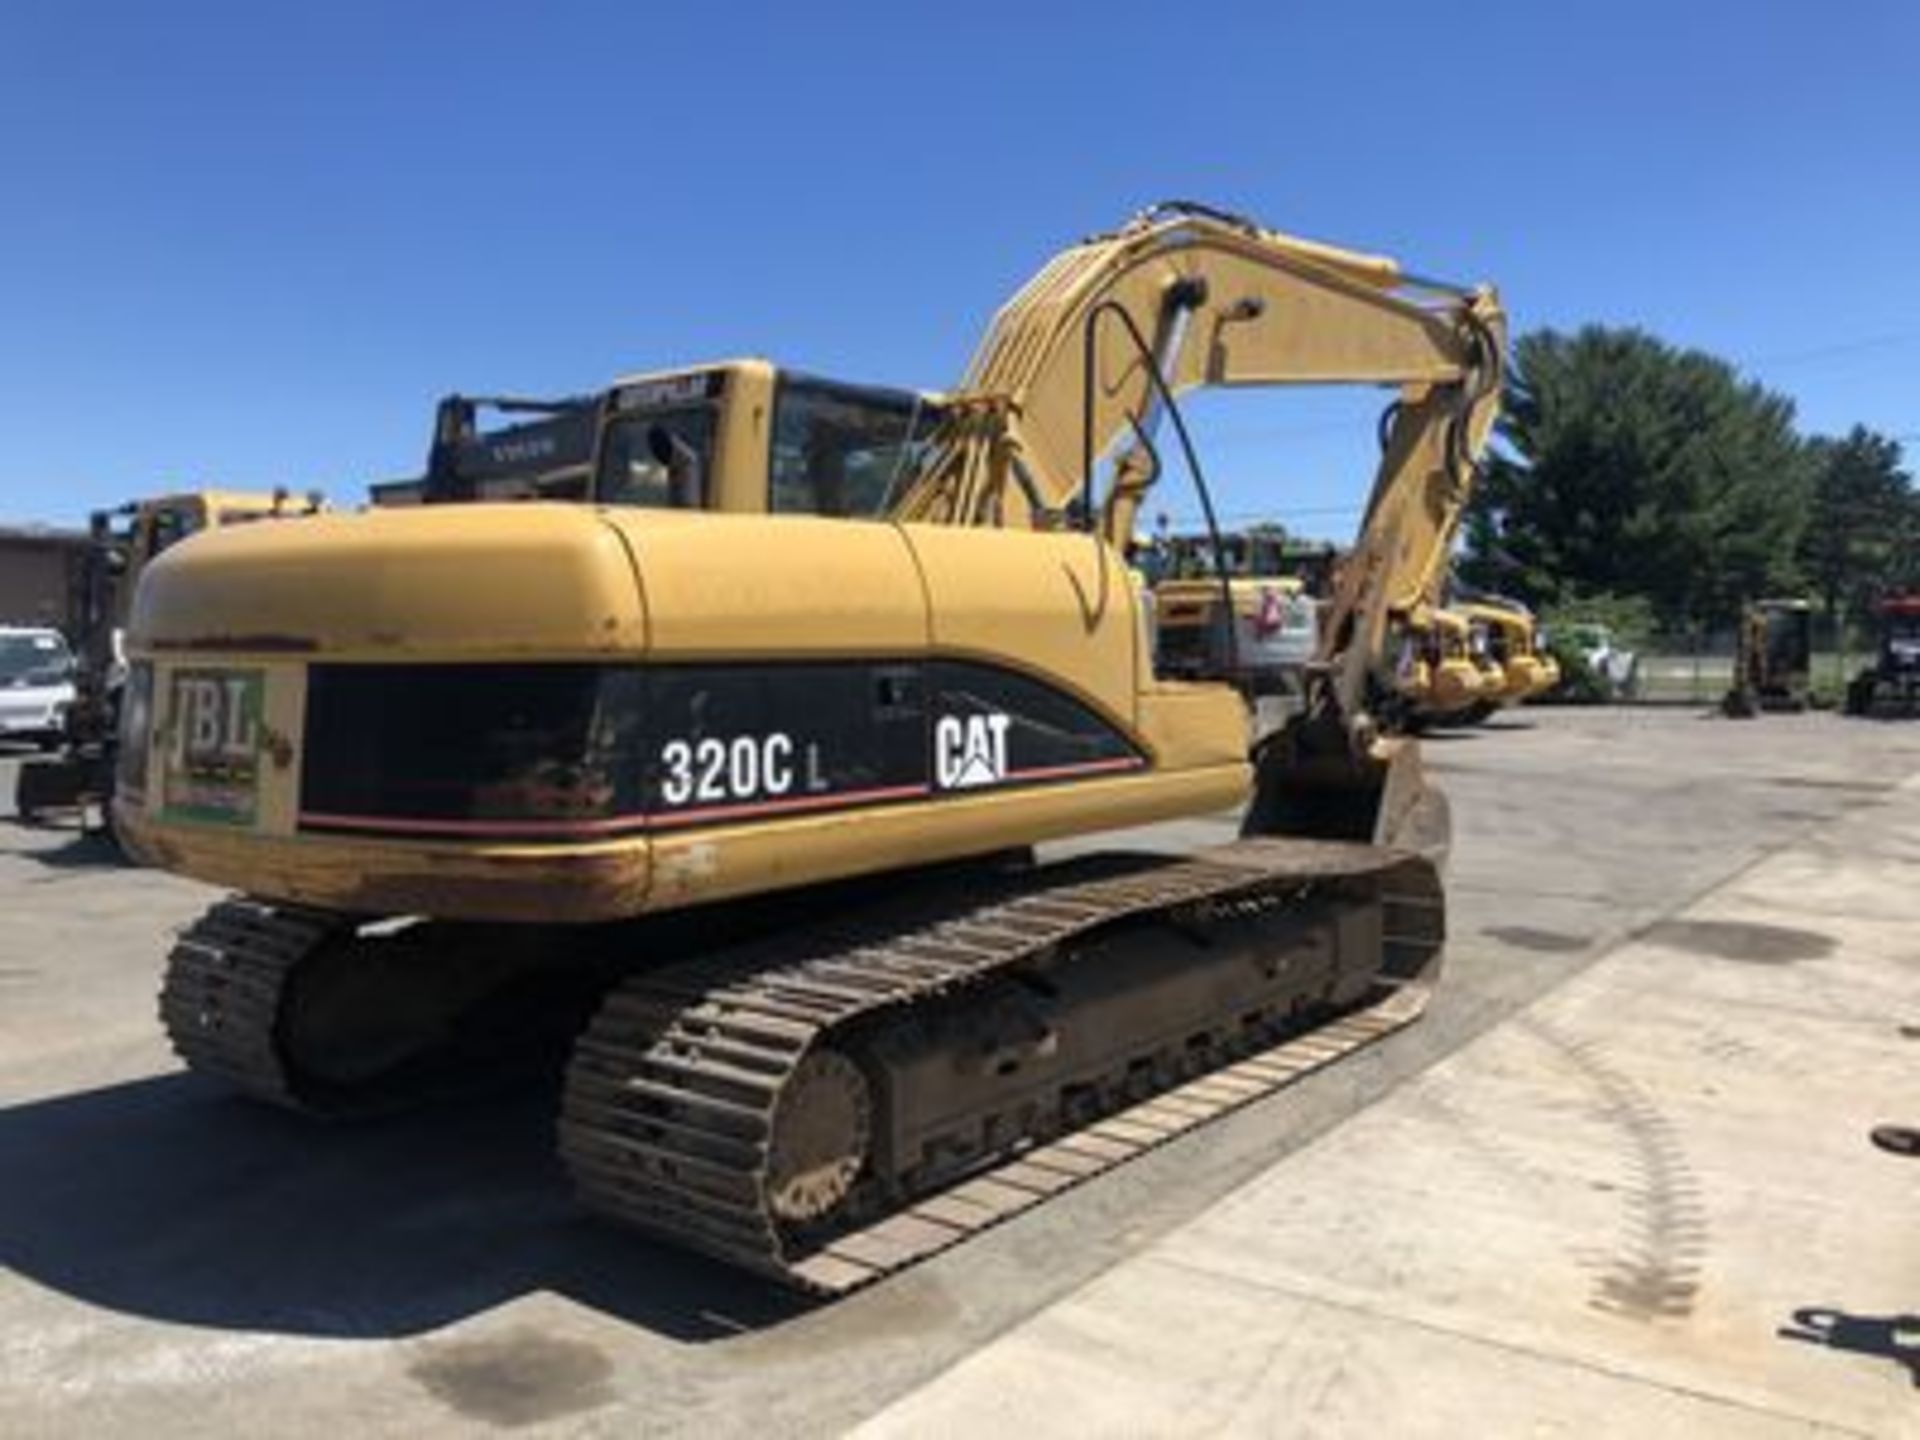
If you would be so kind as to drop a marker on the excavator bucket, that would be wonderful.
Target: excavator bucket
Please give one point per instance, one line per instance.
(1310, 783)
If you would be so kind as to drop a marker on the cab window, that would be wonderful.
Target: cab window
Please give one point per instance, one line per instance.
(843, 449)
(661, 459)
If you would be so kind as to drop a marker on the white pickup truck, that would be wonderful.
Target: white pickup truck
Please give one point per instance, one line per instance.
(36, 684)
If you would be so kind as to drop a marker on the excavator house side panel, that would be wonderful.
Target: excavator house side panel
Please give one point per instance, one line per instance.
(792, 585)
(1062, 606)
(980, 692)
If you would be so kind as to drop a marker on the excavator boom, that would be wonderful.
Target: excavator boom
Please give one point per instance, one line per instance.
(1056, 412)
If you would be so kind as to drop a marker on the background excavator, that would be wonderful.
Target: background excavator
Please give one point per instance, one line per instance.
(1443, 676)
(120, 544)
(1772, 659)
(740, 780)
(1521, 669)
(1500, 639)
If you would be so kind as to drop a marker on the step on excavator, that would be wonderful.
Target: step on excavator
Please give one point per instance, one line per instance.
(740, 807)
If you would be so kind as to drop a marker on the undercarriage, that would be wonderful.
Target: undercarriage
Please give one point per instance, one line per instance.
(831, 1091)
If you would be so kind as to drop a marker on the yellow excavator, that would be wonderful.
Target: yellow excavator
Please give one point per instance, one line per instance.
(1497, 637)
(758, 792)
(1518, 669)
(1439, 677)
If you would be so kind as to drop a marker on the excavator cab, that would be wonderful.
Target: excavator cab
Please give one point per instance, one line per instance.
(741, 436)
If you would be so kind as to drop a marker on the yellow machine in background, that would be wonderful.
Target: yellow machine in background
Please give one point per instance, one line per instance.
(121, 543)
(1439, 675)
(1499, 639)
(744, 787)
(1513, 644)
(1196, 584)
(1773, 659)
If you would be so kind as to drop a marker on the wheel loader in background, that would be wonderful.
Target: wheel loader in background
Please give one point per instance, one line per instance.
(1773, 659)
(121, 543)
(755, 789)
(1890, 685)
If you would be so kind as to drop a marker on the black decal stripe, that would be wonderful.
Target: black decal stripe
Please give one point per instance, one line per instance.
(574, 751)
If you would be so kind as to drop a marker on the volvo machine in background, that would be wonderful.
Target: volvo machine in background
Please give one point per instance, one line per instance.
(121, 543)
(754, 788)
(1773, 659)
(1890, 685)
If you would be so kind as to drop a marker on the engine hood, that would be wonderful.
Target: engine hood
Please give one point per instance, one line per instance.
(473, 580)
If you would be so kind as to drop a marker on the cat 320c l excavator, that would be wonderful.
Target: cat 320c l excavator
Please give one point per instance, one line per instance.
(742, 778)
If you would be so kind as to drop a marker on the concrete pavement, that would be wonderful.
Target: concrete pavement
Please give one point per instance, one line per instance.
(177, 1263)
(1643, 1206)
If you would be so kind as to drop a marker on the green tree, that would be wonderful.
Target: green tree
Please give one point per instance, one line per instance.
(1628, 467)
(1863, 528)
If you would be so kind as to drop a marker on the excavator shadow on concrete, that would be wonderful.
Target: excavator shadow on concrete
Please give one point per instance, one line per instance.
(164, 1199)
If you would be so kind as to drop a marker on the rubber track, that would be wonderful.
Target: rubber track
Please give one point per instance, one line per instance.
(671, 1092)
(225, 982)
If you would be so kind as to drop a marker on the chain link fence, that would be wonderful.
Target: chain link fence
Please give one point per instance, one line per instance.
(1697, 668)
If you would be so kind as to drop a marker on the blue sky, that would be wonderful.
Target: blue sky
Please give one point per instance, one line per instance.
(251, 243)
